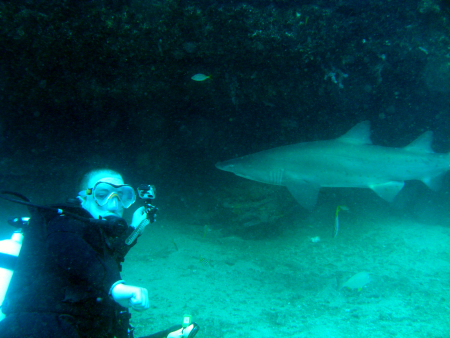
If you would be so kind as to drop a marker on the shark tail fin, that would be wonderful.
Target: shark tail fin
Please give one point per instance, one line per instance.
(435, 182)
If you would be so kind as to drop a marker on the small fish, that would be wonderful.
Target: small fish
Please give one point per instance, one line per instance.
(200, 77)
(315, 239)
(204, 261)
(357, 282)
(336, 219)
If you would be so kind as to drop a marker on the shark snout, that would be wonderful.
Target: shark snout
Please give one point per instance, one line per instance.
(224, 166)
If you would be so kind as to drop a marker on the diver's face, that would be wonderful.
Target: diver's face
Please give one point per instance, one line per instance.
(113, 207)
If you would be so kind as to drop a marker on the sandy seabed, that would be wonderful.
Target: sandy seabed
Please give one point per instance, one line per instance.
(288, 286)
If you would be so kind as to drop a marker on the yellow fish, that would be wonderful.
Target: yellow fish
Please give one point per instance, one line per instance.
(336, 219)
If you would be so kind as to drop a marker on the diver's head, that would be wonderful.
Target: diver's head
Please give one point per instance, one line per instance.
(103, 193)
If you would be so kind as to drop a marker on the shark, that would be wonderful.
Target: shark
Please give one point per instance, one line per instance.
(350, 160)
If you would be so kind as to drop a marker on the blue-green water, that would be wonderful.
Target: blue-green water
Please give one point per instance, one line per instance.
(86, 84)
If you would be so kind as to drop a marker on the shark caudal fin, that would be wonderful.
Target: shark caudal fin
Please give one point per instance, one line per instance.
(434, 183)
(422, 144)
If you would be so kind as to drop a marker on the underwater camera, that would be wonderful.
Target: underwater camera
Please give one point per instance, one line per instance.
(146, 191)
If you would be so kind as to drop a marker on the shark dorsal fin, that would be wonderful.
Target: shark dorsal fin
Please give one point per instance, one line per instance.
(359, 134)
(422, 144)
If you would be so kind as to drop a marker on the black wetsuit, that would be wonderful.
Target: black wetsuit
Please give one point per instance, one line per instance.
(64, 273)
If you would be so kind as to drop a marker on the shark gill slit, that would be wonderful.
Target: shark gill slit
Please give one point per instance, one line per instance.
(277, 177)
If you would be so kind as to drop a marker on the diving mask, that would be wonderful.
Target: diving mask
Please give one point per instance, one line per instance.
(102, 192)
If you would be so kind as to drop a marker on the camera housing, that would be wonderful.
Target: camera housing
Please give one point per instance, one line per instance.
(146, 192)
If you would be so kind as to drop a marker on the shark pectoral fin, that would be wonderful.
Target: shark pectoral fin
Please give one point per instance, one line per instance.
(389, 190)
(434, 183)
(305, 193)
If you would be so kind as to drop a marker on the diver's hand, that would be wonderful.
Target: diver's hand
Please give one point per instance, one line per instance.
(131, 296)
(138, 216)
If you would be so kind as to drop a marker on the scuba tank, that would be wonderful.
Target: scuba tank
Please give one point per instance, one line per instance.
(9, 251)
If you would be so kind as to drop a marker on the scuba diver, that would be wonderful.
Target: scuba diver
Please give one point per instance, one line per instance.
(66, 282)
